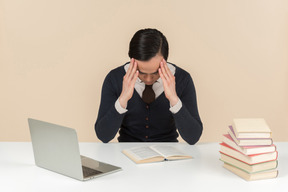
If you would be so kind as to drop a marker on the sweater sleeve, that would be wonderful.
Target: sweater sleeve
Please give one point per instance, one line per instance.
(109, 120)
(187, 119)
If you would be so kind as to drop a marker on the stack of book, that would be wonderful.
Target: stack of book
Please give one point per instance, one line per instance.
(248, 150)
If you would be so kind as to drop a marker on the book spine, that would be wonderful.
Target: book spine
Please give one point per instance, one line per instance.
(249, 159)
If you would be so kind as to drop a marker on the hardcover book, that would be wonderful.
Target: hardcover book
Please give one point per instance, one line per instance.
(249, 141)
(251, 128)
(252, 176)
(249, 168)
(248, 150)
(249, 159)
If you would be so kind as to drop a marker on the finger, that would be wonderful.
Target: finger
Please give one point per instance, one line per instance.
(130, 67)
(164, 72)
(168, 71)
(133, 71)
(162, 77)
(135, 77)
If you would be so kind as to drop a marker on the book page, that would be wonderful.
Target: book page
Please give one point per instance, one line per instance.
(167, 151)
(141, 153)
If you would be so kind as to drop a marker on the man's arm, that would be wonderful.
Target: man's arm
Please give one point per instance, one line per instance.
(187, 119)
(109, 119)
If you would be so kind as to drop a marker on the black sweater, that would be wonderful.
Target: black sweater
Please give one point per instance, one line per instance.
(148, 123)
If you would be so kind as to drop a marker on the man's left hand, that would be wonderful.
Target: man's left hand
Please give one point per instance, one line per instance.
(168, 82)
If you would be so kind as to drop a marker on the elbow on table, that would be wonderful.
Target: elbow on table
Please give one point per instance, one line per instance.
(192, 140)
(102, 137)
(105, 140)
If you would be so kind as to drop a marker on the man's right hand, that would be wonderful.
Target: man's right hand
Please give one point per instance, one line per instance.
(128, 83)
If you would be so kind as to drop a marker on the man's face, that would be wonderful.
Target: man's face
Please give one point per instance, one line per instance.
(148, 70)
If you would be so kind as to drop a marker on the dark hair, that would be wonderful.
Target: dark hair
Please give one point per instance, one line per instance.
(146, 43)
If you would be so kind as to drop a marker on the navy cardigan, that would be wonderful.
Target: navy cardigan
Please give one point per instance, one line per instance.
(148, 123)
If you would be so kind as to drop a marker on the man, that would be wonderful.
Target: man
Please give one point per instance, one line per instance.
(148, 99)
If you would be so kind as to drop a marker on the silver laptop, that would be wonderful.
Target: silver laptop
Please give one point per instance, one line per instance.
(56, 148)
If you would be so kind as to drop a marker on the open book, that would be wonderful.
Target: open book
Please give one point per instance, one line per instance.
(155, 153)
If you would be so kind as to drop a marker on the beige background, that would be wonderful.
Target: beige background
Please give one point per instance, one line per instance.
(55, 55)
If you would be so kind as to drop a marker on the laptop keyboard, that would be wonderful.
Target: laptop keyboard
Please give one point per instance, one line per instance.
(87, 172)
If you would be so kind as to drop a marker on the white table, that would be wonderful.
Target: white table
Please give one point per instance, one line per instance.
(202, 173)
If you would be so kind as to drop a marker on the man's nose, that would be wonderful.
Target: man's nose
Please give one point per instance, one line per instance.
(149, 77)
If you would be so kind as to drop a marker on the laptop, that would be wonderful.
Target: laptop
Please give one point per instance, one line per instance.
(56, 148)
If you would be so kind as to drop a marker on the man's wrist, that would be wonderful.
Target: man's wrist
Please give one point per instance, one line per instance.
(173, 101)
(174, 109)
(119, 108)
(122, 102)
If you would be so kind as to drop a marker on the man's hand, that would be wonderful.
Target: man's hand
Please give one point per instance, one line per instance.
(169, 83)
(128, 83)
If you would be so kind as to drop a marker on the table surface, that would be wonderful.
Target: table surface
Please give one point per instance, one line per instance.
(204, 172)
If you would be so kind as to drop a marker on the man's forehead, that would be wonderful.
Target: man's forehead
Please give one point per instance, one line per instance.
(150, 66)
